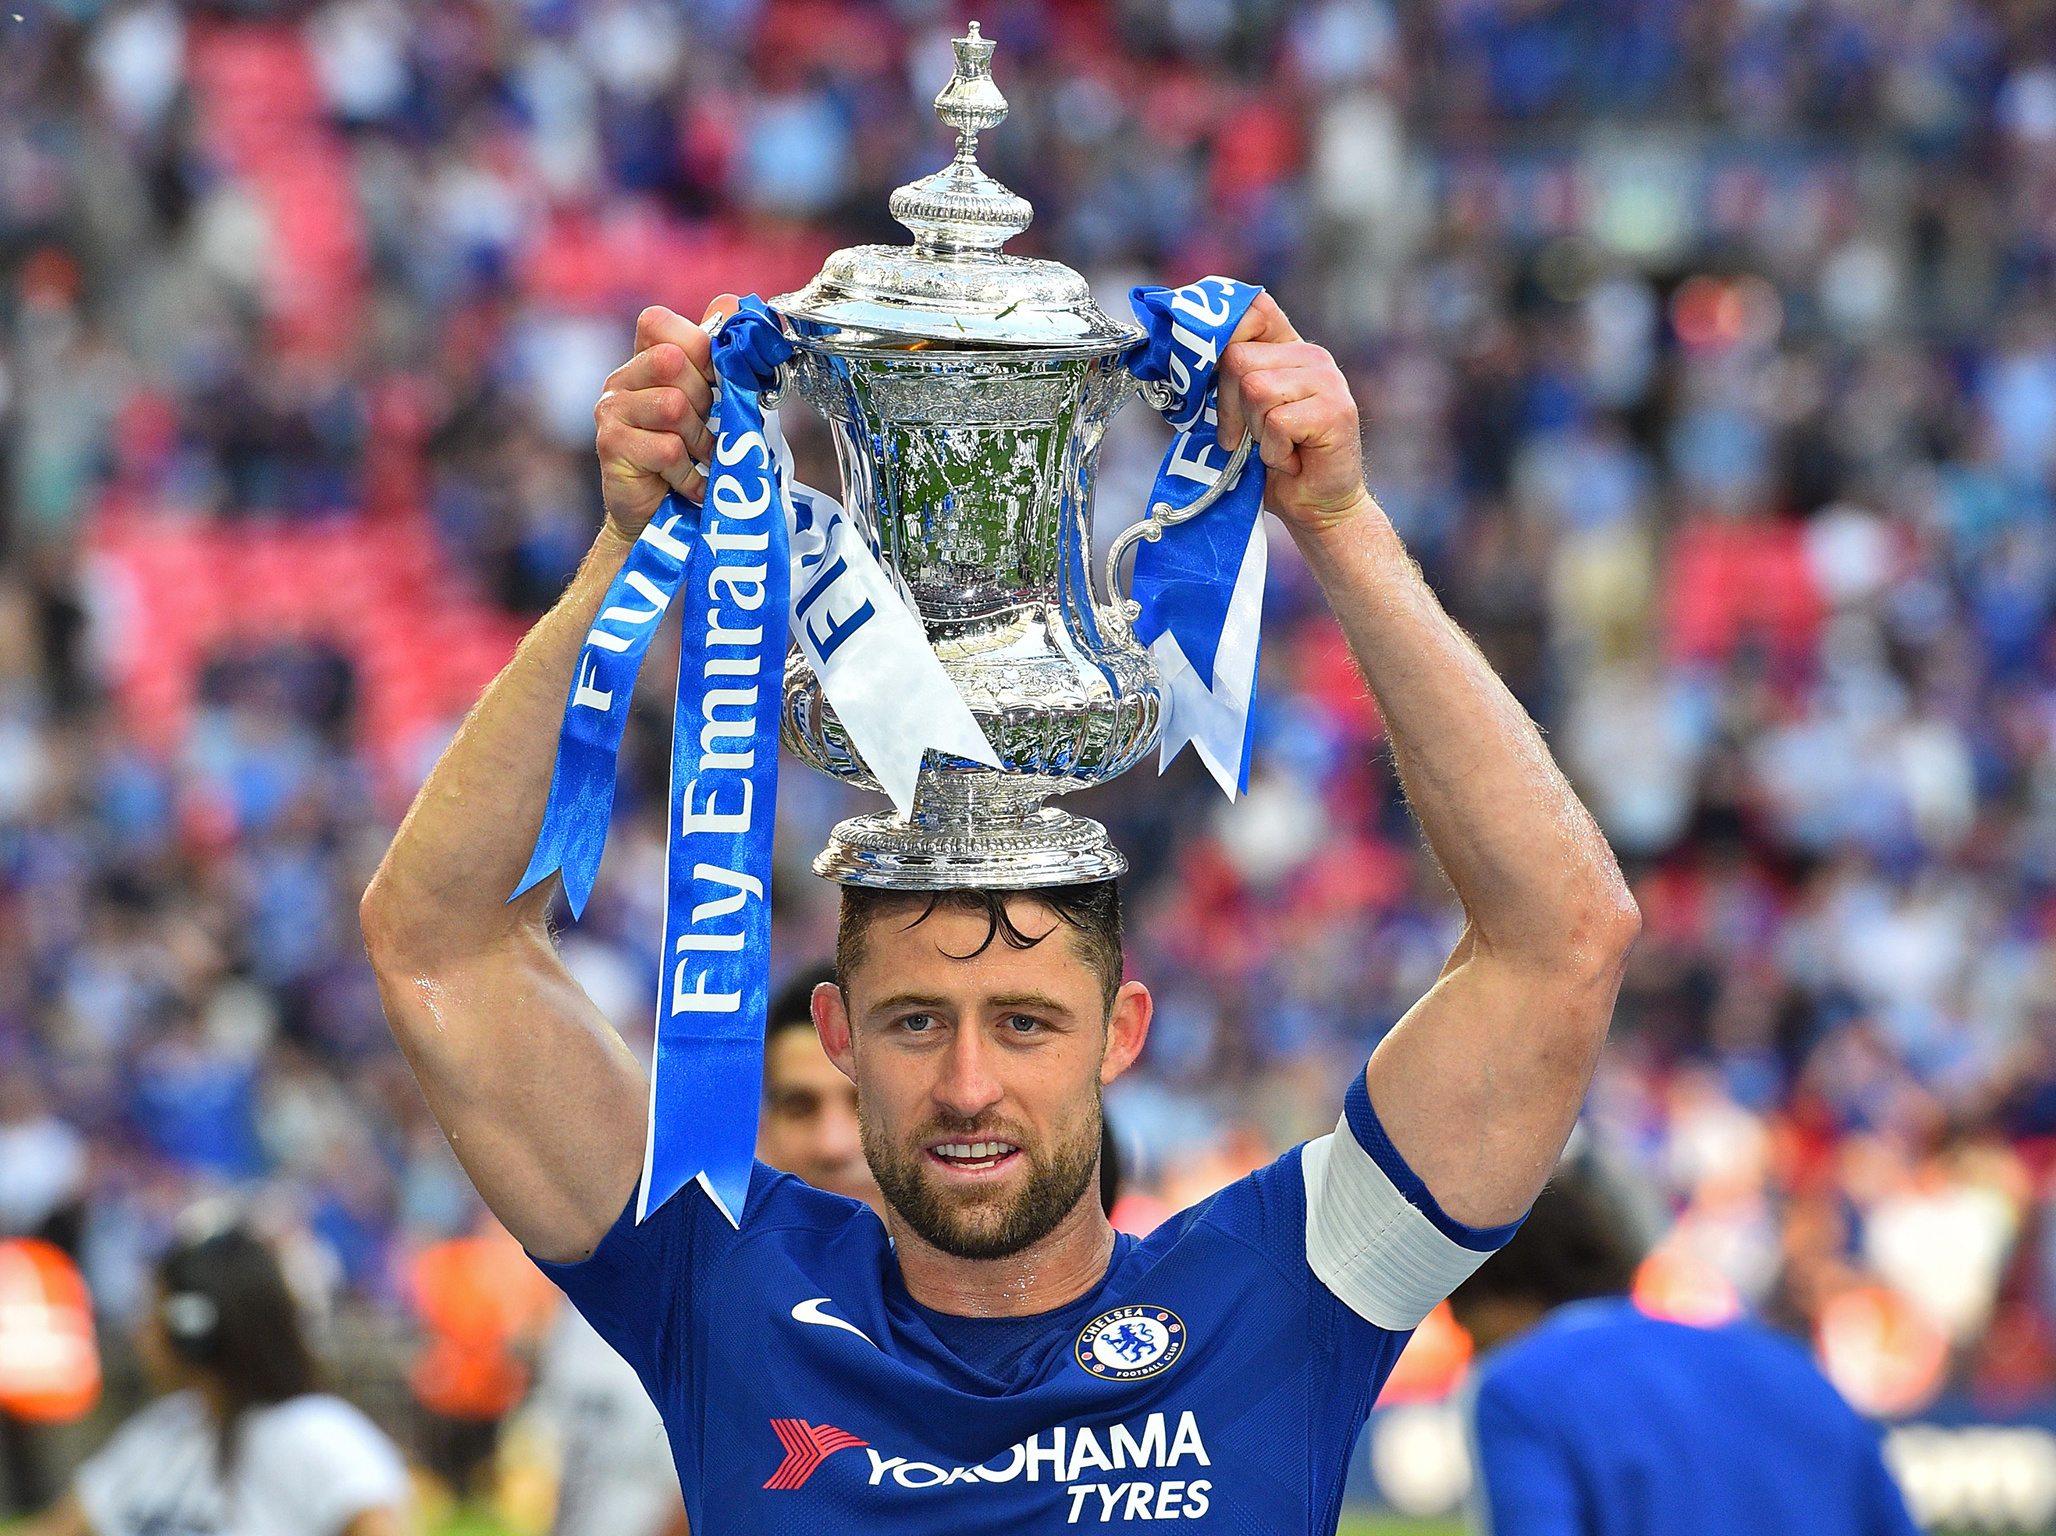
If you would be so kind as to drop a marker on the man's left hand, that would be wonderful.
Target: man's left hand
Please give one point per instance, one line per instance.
(1304, 417)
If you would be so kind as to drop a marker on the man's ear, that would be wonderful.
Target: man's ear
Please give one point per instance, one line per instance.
(1127, 1028)
(832, 1024)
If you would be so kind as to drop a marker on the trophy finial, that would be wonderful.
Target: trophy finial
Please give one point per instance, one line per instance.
(960, 208)
(971, 102)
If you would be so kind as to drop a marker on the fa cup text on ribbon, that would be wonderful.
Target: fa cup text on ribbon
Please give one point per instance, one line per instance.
(821, 595)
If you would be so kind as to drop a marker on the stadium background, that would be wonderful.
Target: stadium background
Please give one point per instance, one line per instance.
(1707, 358)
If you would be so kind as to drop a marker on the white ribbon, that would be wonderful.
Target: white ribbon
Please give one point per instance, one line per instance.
(859, 630)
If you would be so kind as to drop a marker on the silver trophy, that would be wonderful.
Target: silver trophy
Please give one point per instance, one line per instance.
(967, 392)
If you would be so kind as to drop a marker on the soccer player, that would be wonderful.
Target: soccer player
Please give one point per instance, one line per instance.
(991, 1354)
(1591, 1418)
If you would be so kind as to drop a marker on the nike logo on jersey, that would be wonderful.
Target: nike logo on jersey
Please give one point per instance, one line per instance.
(810, 1312)
(806, 1446)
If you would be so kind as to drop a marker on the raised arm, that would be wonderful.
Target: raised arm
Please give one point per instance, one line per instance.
(1479, 1084)
(541, 1100)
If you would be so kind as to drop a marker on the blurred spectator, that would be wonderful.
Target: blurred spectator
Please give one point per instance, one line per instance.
(1590, 1416)
(483, 1314)
(49, 1365)
(42, 1165)
(242, 1440)
(808, 1125)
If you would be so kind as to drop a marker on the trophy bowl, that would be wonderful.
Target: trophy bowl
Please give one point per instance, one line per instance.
(967, 392)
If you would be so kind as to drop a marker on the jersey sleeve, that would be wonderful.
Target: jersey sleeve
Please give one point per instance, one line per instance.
(1523, 1483)
(1884, 1502)
(131, 1456)
(637, 1288)
(332, 1464)
(1374, 1235)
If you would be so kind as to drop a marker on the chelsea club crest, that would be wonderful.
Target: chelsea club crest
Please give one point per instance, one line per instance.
(1130, 1343)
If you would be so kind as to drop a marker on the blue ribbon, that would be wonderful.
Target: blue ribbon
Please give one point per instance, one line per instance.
(1185, 582)
(729, 557)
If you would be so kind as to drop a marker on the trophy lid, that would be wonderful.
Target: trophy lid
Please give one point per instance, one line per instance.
(954, 284)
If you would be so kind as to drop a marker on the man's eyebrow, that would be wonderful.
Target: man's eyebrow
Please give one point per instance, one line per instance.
(1039, 1000)
(908, 1000)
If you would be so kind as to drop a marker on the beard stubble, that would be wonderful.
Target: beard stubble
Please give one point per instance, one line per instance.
(993, 1224)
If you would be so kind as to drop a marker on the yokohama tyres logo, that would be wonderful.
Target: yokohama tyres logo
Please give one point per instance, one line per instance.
(806, 1447)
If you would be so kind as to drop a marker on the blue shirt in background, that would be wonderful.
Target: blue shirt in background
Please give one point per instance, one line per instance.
(1604, 1421)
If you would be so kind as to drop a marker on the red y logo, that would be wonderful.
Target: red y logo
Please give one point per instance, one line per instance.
(806, 1447)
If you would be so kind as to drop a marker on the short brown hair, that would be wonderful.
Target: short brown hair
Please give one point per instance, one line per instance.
(792, 1005)
(1091, 911)
(1575, 1243)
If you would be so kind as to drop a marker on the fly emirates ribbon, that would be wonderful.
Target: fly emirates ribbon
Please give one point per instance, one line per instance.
(1200, 587)
(758, 545)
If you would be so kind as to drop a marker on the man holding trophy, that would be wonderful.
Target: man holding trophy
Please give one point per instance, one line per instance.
(991, 1354)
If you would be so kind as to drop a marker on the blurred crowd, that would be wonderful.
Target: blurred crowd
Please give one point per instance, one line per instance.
(1707, 361)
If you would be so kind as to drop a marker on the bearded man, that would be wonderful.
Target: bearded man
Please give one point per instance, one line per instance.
(987, 1352)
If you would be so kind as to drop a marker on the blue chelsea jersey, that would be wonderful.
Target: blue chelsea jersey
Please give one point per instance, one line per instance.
(1218, 1375)
(1603, 1421)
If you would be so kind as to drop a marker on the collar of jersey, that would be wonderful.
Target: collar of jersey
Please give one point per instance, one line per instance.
(910, 1322)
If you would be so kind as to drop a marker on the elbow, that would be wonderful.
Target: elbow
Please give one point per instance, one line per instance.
(399, 939)
(1581, 982)
(412, 931)
(1605, 927)
(405, 960)
(379, 916)
(1615, 929)
(1582, 945)
(1619, 926)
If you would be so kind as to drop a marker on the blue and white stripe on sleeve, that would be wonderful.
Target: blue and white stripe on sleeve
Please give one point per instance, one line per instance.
(1374, 1235)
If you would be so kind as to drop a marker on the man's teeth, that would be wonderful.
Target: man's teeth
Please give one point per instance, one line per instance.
(974, 1151)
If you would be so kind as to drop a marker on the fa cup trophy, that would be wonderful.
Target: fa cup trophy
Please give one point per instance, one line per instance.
(947, 645)
(968, 392)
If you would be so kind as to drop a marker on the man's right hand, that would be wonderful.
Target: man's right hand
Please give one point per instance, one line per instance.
(651, 420)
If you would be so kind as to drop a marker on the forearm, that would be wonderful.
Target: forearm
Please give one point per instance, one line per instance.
(1535, 876)
(1477, 1086)
(466, 840)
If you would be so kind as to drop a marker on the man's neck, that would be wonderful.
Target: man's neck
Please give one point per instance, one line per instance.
(1040, 1278)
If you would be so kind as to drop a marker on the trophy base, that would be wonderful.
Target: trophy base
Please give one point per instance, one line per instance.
(1002, 853)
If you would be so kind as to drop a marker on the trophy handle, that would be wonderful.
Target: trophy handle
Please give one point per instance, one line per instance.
(1161, 516)
(767, 398)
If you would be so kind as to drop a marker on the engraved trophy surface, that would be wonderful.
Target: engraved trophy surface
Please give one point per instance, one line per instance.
(967, 392)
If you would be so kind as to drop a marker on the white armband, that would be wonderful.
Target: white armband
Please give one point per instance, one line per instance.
(1387, 1257)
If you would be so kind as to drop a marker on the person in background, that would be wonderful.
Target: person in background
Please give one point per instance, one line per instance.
(43, 1165)
(1591, 1418)
(49, 1368)
(1109, 1167)
(482, 1317)
(243, 1442)
(809, 1122)
(615, 1474)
